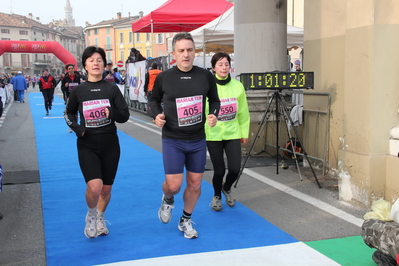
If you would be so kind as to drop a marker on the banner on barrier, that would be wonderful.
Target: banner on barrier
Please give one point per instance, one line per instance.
(136, 80)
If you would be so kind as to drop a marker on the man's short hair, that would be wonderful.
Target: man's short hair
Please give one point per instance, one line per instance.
(154, 65)
(68, 65)
(181, 36)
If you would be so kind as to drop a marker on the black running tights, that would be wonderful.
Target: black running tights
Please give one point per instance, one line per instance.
(48, 95)
(216, 149)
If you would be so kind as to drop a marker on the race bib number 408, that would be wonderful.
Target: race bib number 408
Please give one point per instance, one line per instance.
(94, 113)
(189, 110)
(71, 86)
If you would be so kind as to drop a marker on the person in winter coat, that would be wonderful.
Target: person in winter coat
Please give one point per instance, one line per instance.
(150, 77)
(231, 130)
(19, 85)
(118, 76)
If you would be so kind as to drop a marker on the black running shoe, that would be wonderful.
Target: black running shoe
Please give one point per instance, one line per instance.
(383, 259)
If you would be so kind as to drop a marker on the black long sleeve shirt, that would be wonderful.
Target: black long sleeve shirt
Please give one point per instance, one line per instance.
(90, 99)
(184, 95)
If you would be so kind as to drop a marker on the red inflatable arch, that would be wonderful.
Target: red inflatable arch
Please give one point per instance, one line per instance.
(38, 47)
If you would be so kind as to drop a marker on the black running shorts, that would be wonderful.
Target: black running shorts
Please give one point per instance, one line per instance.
(99, 156)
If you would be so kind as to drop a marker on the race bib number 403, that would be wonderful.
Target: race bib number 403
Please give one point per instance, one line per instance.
(94, 113)
(189, 110)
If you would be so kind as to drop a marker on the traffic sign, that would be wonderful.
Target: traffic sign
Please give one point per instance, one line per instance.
(120, 63)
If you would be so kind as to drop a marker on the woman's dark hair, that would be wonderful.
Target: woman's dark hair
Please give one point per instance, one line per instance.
(89, 51)
(216, 57)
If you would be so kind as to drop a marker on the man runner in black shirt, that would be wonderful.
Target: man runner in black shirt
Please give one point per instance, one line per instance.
(183, 90)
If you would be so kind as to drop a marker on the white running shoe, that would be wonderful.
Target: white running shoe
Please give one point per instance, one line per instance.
(102, 229)
(185, 225)
(165, 211)
(216, 204)
(229, 198)
(90, 228)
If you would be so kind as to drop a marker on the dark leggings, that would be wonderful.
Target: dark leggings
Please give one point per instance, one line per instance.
(48, 95)
(232, 148)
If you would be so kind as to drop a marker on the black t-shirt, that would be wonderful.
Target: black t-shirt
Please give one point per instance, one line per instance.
(184, 95)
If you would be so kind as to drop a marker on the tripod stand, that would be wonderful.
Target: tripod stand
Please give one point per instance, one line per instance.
(277, 97)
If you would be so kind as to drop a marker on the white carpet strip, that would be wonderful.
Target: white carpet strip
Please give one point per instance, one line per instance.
(298, 254)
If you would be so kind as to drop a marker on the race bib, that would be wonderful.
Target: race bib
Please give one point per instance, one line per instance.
(94, 113)
(72, 85)
(189, 110)
(228, 109)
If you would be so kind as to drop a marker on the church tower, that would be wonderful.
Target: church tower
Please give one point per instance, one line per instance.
(69, 21)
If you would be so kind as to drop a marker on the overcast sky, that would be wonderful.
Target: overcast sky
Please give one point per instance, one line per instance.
(93, 11)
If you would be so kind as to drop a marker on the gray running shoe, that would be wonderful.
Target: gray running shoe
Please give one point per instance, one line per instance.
(165, 211)
(216, 204)
(186, 226)
(90, 228)
(102, 229)
(229, 198)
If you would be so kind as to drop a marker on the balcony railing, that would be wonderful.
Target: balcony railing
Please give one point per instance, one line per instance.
(42, 62)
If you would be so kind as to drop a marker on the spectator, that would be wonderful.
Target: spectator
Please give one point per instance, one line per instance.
(107, 74)
(20, 85)
(150, 77)
(135, 56)
(117, 76)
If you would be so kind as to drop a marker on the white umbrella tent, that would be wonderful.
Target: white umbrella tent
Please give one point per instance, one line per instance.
(218, 35)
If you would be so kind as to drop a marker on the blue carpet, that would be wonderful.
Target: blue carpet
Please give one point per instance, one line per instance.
(135, 231)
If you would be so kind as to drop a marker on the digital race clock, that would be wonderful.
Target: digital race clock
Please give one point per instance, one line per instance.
(277, 80)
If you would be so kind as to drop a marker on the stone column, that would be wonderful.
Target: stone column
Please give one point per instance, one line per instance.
(260, 35)
(260, 45)
(352, 48)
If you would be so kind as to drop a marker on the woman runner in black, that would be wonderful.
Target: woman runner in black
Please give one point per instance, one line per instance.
(100, 104)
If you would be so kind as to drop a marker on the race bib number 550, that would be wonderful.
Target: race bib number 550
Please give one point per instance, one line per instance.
(228, 109)
(189, 110)
(94, 113)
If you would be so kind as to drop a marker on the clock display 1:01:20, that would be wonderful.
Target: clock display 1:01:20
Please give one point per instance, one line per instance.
(278, 80)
